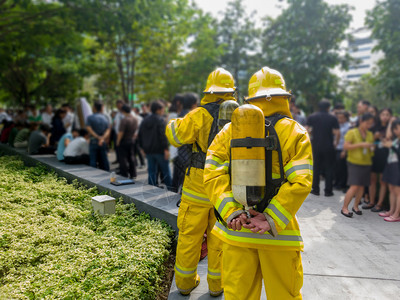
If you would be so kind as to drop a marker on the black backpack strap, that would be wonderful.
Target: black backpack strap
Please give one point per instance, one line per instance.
(272, 185)
(269, 142)
(272, 132)
(213, 110)
(198, 158)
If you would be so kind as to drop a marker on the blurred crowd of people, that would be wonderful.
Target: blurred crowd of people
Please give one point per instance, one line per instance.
(358, 155)
(79, 137)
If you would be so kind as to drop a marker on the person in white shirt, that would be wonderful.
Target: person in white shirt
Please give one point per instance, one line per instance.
(47, 115)
(69, 117)
(138, 151)
(77, 151)
(117, 120)
(4, 116)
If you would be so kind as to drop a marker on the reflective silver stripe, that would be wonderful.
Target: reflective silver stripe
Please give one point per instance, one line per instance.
(221, 206)
(297, 168)
(194, 196)
(277, 212)
(174, 133)
(213, 273)
(185, 272)
(265, 236)
(217, 164)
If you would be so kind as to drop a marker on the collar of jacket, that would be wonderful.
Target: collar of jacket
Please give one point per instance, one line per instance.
(276, 105)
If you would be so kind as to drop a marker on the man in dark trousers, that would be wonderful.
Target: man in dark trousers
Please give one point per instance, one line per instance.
(325, 135)
(99, 128)
(153, 141)
(125, 142)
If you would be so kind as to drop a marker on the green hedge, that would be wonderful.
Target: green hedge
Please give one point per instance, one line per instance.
(53, 246)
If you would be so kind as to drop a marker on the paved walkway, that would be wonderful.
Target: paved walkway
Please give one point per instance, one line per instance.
(357, 258)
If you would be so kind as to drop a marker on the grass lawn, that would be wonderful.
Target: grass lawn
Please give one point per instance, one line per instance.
(53, 246)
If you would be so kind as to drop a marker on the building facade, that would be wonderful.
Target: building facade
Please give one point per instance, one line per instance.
(360, 48)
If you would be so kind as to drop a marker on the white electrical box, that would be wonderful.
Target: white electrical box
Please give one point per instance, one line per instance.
(104, 204)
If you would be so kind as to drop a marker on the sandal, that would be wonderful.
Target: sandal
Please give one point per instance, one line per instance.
(377, 208)
(391, 219)
(349, 214)
(368, 206)
(384, 214)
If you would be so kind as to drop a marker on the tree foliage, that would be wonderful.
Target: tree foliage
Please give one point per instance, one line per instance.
(15, 15)
(303, 43)
(143, 37)
(384, 22)
(362, 89)
(42, 57)
(239, 37)
(54, 50)
(125, 46)
(200, 56)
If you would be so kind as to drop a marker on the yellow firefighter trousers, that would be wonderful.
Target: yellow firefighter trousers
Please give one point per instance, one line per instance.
(193, 221)
(244, 269)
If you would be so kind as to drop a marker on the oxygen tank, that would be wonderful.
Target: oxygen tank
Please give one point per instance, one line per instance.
(248, 163)
(225, 112)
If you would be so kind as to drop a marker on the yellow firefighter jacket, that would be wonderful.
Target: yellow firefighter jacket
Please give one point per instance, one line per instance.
(297, 159)
(194, 129)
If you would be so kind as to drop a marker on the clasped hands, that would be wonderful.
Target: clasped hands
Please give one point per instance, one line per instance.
(257, 223)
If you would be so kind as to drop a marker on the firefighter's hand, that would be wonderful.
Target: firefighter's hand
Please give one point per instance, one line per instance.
(257, 223)
(238, 222)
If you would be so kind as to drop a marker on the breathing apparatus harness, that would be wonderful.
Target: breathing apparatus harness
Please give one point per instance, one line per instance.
(270, 143)
(198, 157)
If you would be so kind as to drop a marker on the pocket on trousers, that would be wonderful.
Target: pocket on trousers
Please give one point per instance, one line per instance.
(183, 211)
(297, 275)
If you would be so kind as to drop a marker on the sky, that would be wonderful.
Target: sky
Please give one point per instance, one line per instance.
(274, 7)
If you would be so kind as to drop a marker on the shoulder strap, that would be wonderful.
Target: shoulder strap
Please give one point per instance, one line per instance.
(199, 157)
(272, 185)
(272, 132)
(213, 110)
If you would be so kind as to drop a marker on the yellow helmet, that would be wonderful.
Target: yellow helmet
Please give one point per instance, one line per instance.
(220, 81)
(267, 83)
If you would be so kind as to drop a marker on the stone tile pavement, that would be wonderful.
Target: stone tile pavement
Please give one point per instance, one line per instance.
(357, 258)
(343, 258)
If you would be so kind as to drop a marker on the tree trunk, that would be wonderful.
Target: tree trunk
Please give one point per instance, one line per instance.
(132, 77)
(117, 53)
(25, 93)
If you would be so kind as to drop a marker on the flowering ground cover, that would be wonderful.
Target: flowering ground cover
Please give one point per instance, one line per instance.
(53, 246)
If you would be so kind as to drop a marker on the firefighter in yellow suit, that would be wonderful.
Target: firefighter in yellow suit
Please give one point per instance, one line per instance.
(196, 212)
(267, 245)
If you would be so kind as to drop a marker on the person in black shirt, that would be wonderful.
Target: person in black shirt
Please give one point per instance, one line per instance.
(154, 143)
(57, 127)
(125, 139)
(379, 161)
(323, 127)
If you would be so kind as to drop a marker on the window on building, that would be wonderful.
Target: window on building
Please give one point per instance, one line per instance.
(359, 67)
(354, 76)
(359, 42)
(356, 49)
(364, 57)
(365, 48)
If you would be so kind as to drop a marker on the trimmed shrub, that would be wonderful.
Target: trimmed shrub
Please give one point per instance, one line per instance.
(52, 245)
